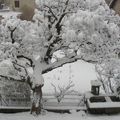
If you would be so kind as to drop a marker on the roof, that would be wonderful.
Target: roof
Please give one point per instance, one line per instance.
(95, 83)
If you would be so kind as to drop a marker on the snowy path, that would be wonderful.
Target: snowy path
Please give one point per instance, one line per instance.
(57, 116)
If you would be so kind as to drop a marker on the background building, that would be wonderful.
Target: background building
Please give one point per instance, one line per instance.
(26, 7)
(114, 4)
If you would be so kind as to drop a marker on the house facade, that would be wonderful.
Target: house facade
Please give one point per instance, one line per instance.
(26, 7)
(115, 5)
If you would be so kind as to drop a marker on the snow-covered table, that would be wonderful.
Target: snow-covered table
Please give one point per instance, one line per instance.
(103, 104)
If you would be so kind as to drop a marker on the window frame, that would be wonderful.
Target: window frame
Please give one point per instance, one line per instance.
(17, 3)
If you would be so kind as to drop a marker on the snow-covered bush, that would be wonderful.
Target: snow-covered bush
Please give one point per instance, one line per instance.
(109, 75)
(91, 35)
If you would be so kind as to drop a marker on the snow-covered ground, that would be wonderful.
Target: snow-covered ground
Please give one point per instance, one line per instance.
(58, 116)
(80, 72)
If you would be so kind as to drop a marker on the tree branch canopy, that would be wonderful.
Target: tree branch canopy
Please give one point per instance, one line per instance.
(76, 25)
(65, 60)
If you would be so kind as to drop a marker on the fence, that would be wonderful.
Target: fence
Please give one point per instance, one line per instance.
(14, 100)
(69, 102)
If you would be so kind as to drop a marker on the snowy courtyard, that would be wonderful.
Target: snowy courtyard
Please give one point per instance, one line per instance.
(58, 116)
(80, 73)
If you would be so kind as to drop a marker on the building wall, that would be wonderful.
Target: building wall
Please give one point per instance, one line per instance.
(116, 6)
(26, 7)
(29, 3)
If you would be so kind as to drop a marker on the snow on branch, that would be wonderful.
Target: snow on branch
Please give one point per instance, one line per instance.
(25, 57)
(15, 64)
(50, 10)
(66, 5)
(62, 61)
(12, 70)
(12, 78)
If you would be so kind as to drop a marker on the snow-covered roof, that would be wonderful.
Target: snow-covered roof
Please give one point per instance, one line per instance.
(95, 83)
(5, 14)
(103, 104)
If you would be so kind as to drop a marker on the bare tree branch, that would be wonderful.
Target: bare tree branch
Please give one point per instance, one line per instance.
(11, 34)
(62, 61)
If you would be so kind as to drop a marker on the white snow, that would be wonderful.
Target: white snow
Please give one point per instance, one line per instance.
(96, 83)
(30, 71)
(57, 116)
(104, 105)
(37, 73)
(5, 67)
(80, 72)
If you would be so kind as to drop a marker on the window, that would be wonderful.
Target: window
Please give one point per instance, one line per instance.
(17, 3)
(2, 4)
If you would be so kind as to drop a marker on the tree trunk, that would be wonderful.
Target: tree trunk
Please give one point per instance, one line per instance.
(37, 100)
(37, 81)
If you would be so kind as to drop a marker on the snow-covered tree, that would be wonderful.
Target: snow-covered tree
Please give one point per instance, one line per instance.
(92, 33)
(80, 29)
(109, 75)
